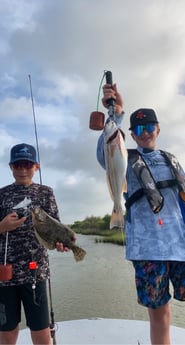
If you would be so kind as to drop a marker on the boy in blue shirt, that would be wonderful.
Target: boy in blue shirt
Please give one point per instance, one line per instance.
(155, 241)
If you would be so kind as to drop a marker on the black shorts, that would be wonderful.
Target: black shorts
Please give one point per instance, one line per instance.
(35, 307)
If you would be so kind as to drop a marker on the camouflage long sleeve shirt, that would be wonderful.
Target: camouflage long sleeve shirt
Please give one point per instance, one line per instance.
(23, 246)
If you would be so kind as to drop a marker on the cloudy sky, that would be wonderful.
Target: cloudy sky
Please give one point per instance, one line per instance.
(65, 46)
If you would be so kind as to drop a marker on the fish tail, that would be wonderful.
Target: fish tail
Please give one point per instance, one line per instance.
(117, 219)
(79, 253)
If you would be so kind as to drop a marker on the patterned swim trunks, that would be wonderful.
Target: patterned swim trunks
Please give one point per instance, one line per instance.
(153, 282)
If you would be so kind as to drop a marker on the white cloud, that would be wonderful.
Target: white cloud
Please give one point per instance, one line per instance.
(65, 46)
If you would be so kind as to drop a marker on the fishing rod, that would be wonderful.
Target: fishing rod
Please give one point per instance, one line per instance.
(52, 323)
(35, 127)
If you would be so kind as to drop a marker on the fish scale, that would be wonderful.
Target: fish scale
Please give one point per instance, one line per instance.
(116, 166)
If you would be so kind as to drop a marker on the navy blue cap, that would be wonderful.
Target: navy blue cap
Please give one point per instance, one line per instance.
(142, 116)
(24, 152)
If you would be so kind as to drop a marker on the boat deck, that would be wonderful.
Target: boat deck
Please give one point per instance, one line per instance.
(104, 331)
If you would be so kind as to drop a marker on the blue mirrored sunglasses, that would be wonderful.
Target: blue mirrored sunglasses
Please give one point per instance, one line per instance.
(139, 129)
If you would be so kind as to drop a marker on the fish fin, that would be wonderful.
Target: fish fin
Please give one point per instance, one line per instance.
(125, 186)
(109, 188)
(117, 220)
(79, 253)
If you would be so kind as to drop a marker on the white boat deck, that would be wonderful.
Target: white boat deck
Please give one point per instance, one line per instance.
(104, 331)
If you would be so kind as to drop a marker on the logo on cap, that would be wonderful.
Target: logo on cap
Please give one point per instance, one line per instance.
(24, 152)
(140, 115)
(25, 149)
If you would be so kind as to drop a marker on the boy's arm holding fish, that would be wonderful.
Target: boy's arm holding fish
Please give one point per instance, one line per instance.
(110, 91)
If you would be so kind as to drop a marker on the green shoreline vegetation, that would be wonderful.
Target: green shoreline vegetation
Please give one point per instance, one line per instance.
(99, 227)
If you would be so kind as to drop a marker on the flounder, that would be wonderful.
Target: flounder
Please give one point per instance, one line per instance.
(49, 231)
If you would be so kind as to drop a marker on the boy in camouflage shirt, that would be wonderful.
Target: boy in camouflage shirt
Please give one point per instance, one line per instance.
(23, 248)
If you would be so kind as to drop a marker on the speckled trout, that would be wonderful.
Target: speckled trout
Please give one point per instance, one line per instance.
(49, 231)
(116, 166)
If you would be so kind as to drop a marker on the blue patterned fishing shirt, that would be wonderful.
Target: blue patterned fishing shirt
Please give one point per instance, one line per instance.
(146, 238)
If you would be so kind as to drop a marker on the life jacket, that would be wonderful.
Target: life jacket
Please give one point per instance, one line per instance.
(149, 187)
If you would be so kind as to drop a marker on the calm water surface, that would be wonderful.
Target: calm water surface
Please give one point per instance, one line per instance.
(102, 285)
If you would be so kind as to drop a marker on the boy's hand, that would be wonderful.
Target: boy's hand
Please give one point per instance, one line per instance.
(11, 222)
(112, 92)
(61, 248)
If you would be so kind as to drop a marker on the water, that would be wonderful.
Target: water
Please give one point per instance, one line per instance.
(102, 285)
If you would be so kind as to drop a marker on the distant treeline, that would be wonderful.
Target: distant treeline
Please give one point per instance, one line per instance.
(100, 227)
(93, 224)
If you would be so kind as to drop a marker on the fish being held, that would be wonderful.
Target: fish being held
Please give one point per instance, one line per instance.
(49, 231)
(116, 167)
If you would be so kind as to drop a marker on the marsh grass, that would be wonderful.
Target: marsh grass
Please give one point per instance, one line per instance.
(114, 236)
